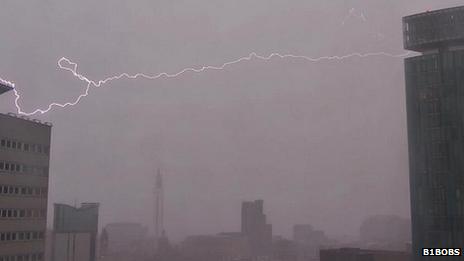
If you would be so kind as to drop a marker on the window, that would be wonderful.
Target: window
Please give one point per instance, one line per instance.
(20, 145)
(39, 148)
(13, 144)
(8, 144)
(33, 147)
(7, 166)
(26, 147)
(18, 168)
(2, 165)
(3, 143)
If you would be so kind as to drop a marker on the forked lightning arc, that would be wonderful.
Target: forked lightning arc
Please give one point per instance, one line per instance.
(67, 65)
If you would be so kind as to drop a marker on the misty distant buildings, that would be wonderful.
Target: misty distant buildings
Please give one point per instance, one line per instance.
(387, 232)
(308, 241)
(255, 227)
(75, 232)
(223, 246)
(284, 249)
(435, 98)
(122, 239)
(24, 167)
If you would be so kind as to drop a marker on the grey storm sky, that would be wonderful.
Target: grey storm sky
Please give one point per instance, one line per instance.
(321, 143)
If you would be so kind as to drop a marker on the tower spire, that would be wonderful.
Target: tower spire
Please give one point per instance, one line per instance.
(158, 197)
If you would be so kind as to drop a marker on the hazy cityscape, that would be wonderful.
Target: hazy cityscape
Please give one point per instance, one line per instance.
(157, 130)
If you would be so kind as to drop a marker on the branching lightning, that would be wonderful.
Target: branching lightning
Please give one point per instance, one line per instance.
(68, 65)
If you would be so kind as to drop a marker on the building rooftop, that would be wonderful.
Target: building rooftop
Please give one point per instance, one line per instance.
(5, 88)
(25, 118)
(434, 29)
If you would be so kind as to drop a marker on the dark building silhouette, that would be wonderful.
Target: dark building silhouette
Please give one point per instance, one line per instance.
(356, 254)
(255, 227)
(75, 232)
(4, 88)
(435, 114)
(24, 167)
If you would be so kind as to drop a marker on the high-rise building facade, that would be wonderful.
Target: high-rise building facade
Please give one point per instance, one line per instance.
(435, 110)
(255, 227)
(24, 165)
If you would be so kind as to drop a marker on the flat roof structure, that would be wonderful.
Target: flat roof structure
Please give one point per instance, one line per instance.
(5, 88)
(434, 29)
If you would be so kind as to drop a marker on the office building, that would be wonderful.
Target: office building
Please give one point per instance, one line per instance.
(435, 113)
(255, 227)
(24, 165)
(75, 232)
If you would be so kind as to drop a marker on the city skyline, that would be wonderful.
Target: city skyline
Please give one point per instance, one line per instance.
(308, 138)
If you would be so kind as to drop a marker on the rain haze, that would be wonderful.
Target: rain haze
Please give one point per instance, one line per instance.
(321, 142)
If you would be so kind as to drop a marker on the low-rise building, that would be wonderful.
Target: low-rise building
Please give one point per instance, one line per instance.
(75, 232)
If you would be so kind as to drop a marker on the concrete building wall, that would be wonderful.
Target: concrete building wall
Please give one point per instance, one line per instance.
(72, 246)
(24, 166)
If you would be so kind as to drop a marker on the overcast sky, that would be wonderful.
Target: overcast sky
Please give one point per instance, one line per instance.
(321, 143)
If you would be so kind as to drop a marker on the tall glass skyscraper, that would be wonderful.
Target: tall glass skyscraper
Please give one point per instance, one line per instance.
(435, 110)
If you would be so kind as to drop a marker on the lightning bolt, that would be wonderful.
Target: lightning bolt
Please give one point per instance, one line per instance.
(8, 83)
(69, 66)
